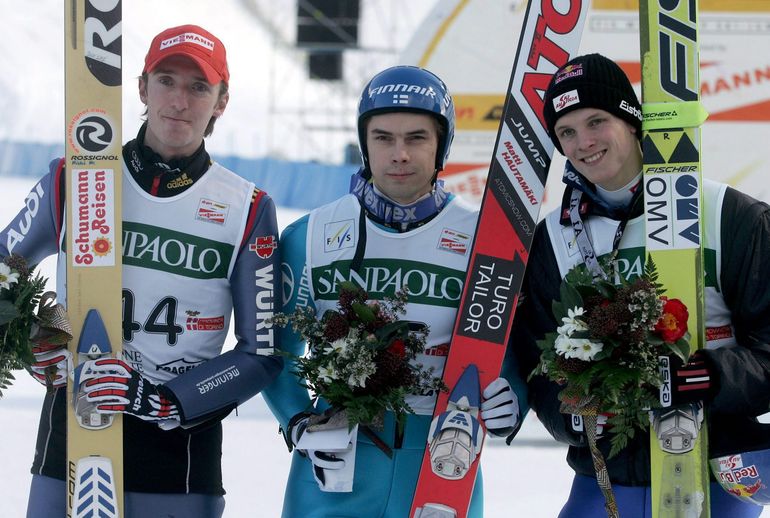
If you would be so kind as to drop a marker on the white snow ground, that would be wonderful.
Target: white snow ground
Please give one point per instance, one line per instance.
(529, 479)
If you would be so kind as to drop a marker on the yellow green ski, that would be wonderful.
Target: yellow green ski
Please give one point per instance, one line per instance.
(673, 115)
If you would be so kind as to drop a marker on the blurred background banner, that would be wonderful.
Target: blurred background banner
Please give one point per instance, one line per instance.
(298, 67)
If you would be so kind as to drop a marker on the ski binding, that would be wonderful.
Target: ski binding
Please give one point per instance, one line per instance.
(94, 343)
(456, 436)
(677, 427)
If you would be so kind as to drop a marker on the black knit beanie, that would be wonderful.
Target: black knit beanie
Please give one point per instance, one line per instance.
(591, 81)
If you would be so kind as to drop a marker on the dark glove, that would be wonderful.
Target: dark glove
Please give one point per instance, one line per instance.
(114, 387)
(690, 382)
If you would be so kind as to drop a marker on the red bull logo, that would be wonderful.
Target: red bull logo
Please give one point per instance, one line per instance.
(737, 479)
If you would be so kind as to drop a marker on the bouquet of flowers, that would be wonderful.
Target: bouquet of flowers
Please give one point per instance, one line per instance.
(605, 352)
(20, 294)
(360, 356)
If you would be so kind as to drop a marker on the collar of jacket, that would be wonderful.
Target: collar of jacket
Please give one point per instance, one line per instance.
(591, 204)
(159, 178)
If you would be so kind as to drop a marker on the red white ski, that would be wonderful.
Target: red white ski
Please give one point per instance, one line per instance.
(509, 212)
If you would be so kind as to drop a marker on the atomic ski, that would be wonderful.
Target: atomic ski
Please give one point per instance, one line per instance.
(505, 229)
(673, 205)
(93, 244)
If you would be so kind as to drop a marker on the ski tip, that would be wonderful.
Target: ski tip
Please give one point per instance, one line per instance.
(94, 340)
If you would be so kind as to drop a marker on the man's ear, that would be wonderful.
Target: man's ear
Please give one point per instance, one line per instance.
(143, 91)
(221, 105)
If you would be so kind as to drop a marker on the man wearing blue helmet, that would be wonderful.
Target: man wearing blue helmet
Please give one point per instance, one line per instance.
(397, 223)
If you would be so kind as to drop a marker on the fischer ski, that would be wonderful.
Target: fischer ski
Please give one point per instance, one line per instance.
(509, 212)
(673, 228)
(93, 244)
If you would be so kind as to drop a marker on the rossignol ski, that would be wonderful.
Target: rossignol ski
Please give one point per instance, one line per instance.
(509, 212)
(92, 40)
(673, 205)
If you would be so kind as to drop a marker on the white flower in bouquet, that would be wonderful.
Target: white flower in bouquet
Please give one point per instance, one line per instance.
(327, 373)
(7, 276)
(585, 349)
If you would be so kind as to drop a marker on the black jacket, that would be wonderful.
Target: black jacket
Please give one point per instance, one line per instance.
(743, 372)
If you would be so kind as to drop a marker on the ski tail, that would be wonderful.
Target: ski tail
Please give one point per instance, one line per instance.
(509, 212)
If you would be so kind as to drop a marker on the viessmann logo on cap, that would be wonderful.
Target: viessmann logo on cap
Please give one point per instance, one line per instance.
(566, 99)
(188, 37)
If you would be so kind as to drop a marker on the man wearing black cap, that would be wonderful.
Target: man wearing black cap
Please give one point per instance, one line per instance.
(594, 118)
(199, 244)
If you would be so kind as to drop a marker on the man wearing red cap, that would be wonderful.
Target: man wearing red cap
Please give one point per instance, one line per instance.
(199, 243)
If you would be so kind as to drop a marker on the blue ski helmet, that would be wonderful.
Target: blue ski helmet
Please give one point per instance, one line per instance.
(408, 88)
(744, 475)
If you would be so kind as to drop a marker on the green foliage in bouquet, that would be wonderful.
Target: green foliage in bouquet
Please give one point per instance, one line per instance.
(20, 293)
(605, 352)
(360, 357)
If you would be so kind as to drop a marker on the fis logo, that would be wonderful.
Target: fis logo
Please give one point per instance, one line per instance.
(339, 235)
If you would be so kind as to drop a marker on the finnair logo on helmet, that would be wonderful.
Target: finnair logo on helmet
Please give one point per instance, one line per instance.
(402, 87)
(566, 99)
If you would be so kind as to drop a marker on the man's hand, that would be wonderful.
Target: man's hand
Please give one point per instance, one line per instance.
(48, 338)
(693, 381)
(500, 408)
(332, 469)
(52, 364)
(602, 423)
(114, 387)
(321, 460)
